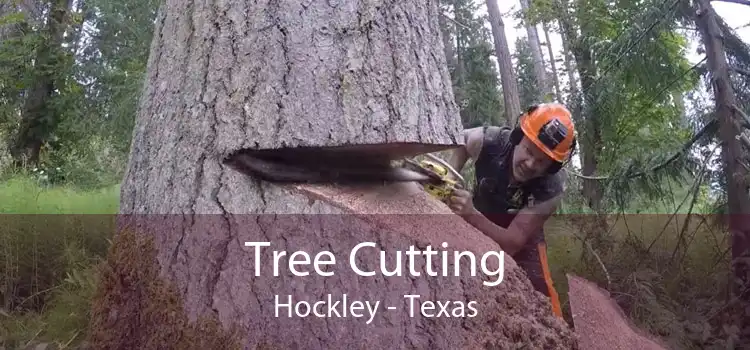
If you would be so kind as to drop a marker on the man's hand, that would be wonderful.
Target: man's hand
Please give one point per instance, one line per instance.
(461, 202)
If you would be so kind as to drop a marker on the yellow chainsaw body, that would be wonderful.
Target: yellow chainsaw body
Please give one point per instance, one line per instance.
(445, 188)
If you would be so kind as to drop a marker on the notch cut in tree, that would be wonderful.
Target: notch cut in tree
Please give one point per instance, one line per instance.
(235, 76)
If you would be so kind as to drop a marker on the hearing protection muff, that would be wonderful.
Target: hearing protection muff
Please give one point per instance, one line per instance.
(550, 134)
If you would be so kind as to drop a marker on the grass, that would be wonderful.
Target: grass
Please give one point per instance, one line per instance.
(48, 264)
(47, 261)
(22, 195)
(670, 279)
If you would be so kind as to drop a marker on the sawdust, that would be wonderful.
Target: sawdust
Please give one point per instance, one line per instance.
(599, 321)
(522, 316)
(136, 309)
(513, 314)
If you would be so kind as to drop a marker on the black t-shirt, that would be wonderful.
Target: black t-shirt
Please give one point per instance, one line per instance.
(493, 194)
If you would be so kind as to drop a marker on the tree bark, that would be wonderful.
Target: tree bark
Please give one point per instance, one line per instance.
(738, 201)
(536, 54)
(297, 74)
(508, 80)
(373, 74)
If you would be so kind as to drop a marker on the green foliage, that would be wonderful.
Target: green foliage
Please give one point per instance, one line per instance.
(90, 114)
(483, 106)
(16, 71)
(637, 67)
(116, 63)
(475, 79)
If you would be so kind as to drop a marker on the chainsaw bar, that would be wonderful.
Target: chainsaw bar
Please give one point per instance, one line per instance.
(323, 170)
(414, 166)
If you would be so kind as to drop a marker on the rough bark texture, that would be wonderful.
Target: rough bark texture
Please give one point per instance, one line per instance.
(232, 74)
(738, 202)
(511, 97)
(600, 323)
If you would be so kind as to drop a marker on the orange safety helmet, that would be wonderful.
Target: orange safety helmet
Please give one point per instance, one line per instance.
(550, 127)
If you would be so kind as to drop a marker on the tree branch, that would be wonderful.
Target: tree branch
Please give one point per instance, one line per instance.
(741, 2)
(740, 70)
(745, 118)
(707, 129)
(453, 20)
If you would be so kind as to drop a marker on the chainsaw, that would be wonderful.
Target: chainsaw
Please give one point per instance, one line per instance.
(440, 185)
(332, 165)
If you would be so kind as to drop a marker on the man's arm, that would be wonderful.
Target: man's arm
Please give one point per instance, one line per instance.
(530, 221)
(527, 222)
(473, 139)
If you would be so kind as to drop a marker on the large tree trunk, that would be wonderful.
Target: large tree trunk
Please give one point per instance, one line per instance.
(295, 74)
(290, 81)
(738, 201)
(508, 80)
(536, 54)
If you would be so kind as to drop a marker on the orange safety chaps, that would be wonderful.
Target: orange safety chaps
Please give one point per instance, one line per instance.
(534, 262)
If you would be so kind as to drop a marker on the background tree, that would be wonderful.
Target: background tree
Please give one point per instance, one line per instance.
(475, 82)
(502, 53)
(535, 47)
(530, 91)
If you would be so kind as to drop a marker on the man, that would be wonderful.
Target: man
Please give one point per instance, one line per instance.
(511, 166)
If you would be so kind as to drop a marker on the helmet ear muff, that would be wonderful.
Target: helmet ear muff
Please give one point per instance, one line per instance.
(556, 166)
(516, 135)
